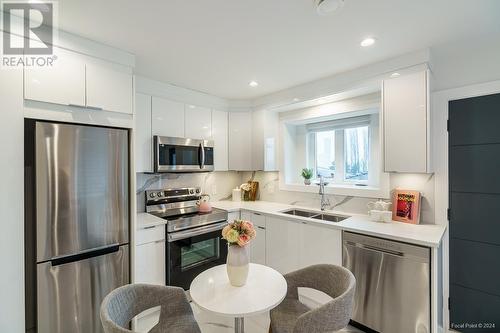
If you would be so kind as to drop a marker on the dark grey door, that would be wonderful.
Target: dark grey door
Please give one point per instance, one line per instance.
(474, 171)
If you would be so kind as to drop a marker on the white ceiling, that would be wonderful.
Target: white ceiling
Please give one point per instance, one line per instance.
(218, 46)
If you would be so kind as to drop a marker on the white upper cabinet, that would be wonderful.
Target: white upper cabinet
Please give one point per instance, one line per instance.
(240, 141)
(167, 118)
(83, 81)
(198, 122)
(142, 136)
(220, 137)
(109, 89)
(265, 129)
(64, 83)
(406, 123)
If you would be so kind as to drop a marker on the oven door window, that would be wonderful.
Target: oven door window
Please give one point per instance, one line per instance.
(178, 155)
(190, 256)
(194, 254)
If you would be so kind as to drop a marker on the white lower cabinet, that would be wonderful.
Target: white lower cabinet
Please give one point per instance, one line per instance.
(258, 245)
(319, 245)
(282, 239)
(149, 269)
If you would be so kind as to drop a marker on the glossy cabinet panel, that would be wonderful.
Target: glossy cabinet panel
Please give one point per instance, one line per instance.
(167, 118)
(240, 141)
(64, 83)
(406, 123)
(109, 89)
(319, 245)
(258, 245)
(282, 239)
(198, 122)
(150, 263)
(220, 138)
(143, 137)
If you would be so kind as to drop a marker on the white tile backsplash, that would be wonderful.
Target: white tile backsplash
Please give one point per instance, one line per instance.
(218, 185)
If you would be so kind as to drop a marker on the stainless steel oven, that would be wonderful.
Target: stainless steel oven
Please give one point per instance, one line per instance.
(194, 240)
(193, 251)
(182, 155)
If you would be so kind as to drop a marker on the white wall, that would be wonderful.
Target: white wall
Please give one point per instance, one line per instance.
(465, 62)
(11, 202)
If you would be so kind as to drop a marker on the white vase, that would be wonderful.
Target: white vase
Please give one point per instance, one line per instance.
(237, 265)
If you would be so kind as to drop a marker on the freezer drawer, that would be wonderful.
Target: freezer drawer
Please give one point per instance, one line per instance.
(392, 283)
(69, 295)
(81, 188)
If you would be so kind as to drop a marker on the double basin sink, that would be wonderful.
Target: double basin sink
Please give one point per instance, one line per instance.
(315, 215)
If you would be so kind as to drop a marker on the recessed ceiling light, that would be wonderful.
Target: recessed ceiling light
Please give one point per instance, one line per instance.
(253, 84)
(325, 7)
(191, 106)
(296, 99)
(395, 74)
(367, 42)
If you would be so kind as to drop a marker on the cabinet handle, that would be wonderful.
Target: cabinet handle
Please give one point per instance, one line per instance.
(261, 227)
(258, 214)
(150, 227)
(77, 105)
(94, 108)
(159, 241)
(85, 106)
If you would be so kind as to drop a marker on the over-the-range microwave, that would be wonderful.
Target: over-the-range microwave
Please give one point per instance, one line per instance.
(182, 155)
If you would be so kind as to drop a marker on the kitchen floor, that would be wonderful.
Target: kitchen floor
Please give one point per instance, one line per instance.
(257, 324)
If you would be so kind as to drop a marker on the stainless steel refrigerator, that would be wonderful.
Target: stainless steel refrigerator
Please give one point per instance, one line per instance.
(76, 223)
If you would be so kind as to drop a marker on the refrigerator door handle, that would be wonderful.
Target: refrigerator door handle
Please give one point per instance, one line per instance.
(85, 255)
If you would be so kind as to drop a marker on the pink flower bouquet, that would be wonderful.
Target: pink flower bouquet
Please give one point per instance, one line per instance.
(239, 232)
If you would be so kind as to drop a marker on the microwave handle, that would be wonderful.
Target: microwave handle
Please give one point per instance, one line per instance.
(201, 155)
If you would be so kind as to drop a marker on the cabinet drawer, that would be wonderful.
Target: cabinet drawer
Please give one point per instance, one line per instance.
(233, 216)
(150, 234)
(257, 219)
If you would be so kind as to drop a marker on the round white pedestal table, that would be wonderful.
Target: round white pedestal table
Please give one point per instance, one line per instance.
(264, 290)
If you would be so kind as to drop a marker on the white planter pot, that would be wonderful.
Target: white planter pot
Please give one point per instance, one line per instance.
(237, 265)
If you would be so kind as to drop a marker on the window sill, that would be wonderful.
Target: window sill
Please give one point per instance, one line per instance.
(340, 189)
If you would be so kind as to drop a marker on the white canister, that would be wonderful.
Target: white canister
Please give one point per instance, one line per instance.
(236, 194)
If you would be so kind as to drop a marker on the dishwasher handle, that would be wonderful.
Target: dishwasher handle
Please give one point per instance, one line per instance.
(374, 248)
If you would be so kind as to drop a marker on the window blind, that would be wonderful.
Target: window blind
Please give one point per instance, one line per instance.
(339, 124)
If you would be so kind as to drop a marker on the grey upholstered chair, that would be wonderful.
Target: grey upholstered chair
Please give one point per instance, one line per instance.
(291, 316)
(122, 304)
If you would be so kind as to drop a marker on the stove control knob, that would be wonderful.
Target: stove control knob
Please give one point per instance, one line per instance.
(152, 195)
(197, 190)
(191, 191)
(159, 194)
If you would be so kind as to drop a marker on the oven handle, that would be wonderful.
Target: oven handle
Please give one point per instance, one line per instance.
(195, 232)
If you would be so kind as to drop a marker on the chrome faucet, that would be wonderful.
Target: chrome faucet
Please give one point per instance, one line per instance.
(325, 202)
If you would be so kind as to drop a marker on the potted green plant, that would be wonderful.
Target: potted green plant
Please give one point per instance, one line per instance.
(307, 174)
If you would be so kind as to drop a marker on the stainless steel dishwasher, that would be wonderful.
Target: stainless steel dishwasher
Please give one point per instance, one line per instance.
(392, 283)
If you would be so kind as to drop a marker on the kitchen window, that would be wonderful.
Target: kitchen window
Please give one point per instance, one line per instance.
(339, 141)
(339, 150)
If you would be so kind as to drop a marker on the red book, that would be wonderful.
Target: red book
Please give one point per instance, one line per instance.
(406, 206)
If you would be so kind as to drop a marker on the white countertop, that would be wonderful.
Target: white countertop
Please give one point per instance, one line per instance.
(424, 234)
